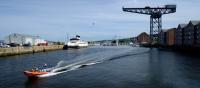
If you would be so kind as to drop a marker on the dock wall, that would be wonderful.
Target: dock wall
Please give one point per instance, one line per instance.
(23, 50)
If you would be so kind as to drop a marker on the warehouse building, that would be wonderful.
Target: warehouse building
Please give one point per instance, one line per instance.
(143, 38)
(22, 39)
(179, 34)
(171, 36)
(197, 35)
(163, 38)
(190, 33)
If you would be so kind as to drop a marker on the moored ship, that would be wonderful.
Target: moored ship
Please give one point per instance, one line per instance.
(77, 43)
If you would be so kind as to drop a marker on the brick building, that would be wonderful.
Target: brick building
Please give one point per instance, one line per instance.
(171, 36)
(189, 33)
(179, 34)
(197, 35)
(143, 38)
(163, 37)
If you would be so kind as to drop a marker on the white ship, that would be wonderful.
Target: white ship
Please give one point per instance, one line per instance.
(76, 43)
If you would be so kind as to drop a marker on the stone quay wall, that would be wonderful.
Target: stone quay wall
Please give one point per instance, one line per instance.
(23, 50)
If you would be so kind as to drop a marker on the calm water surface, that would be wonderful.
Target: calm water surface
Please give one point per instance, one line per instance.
(117, 67)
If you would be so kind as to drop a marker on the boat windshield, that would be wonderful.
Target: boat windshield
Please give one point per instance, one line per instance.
(74, 39)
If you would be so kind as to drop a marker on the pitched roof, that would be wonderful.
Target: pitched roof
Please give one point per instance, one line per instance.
(182, 25)
(143, 33)
(195, 22)
(164, 30)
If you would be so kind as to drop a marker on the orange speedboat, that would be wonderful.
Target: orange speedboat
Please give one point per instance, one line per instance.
(34, 73)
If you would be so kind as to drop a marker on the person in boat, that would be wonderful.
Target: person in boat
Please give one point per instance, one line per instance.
(35, 69)
(45, 65)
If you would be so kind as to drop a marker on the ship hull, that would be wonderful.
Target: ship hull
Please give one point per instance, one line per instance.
(31, 74)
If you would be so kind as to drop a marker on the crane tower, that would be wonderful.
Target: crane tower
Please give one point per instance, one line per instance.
(155, 18)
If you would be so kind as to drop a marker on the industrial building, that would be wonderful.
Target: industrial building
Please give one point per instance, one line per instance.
(167, 37)
(179, 34)
(197, 37)
(22, 39)
(143, 38)
(163, 38)
(189, 34)
(184, 36)
(171, 36)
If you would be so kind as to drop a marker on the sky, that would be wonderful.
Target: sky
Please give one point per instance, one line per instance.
(91, 19)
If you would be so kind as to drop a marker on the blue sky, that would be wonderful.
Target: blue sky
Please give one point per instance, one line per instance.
(91, 19)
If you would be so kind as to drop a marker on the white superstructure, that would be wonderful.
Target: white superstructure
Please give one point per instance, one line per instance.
(76, 43)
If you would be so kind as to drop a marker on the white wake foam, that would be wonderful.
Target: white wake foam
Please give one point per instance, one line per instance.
(82, 61)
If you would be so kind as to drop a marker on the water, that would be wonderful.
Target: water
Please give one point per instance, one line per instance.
(104, 67)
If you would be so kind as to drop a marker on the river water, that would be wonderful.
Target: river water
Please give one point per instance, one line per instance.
(105, 67)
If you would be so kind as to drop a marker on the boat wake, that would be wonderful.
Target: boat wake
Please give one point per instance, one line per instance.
(87, 60)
